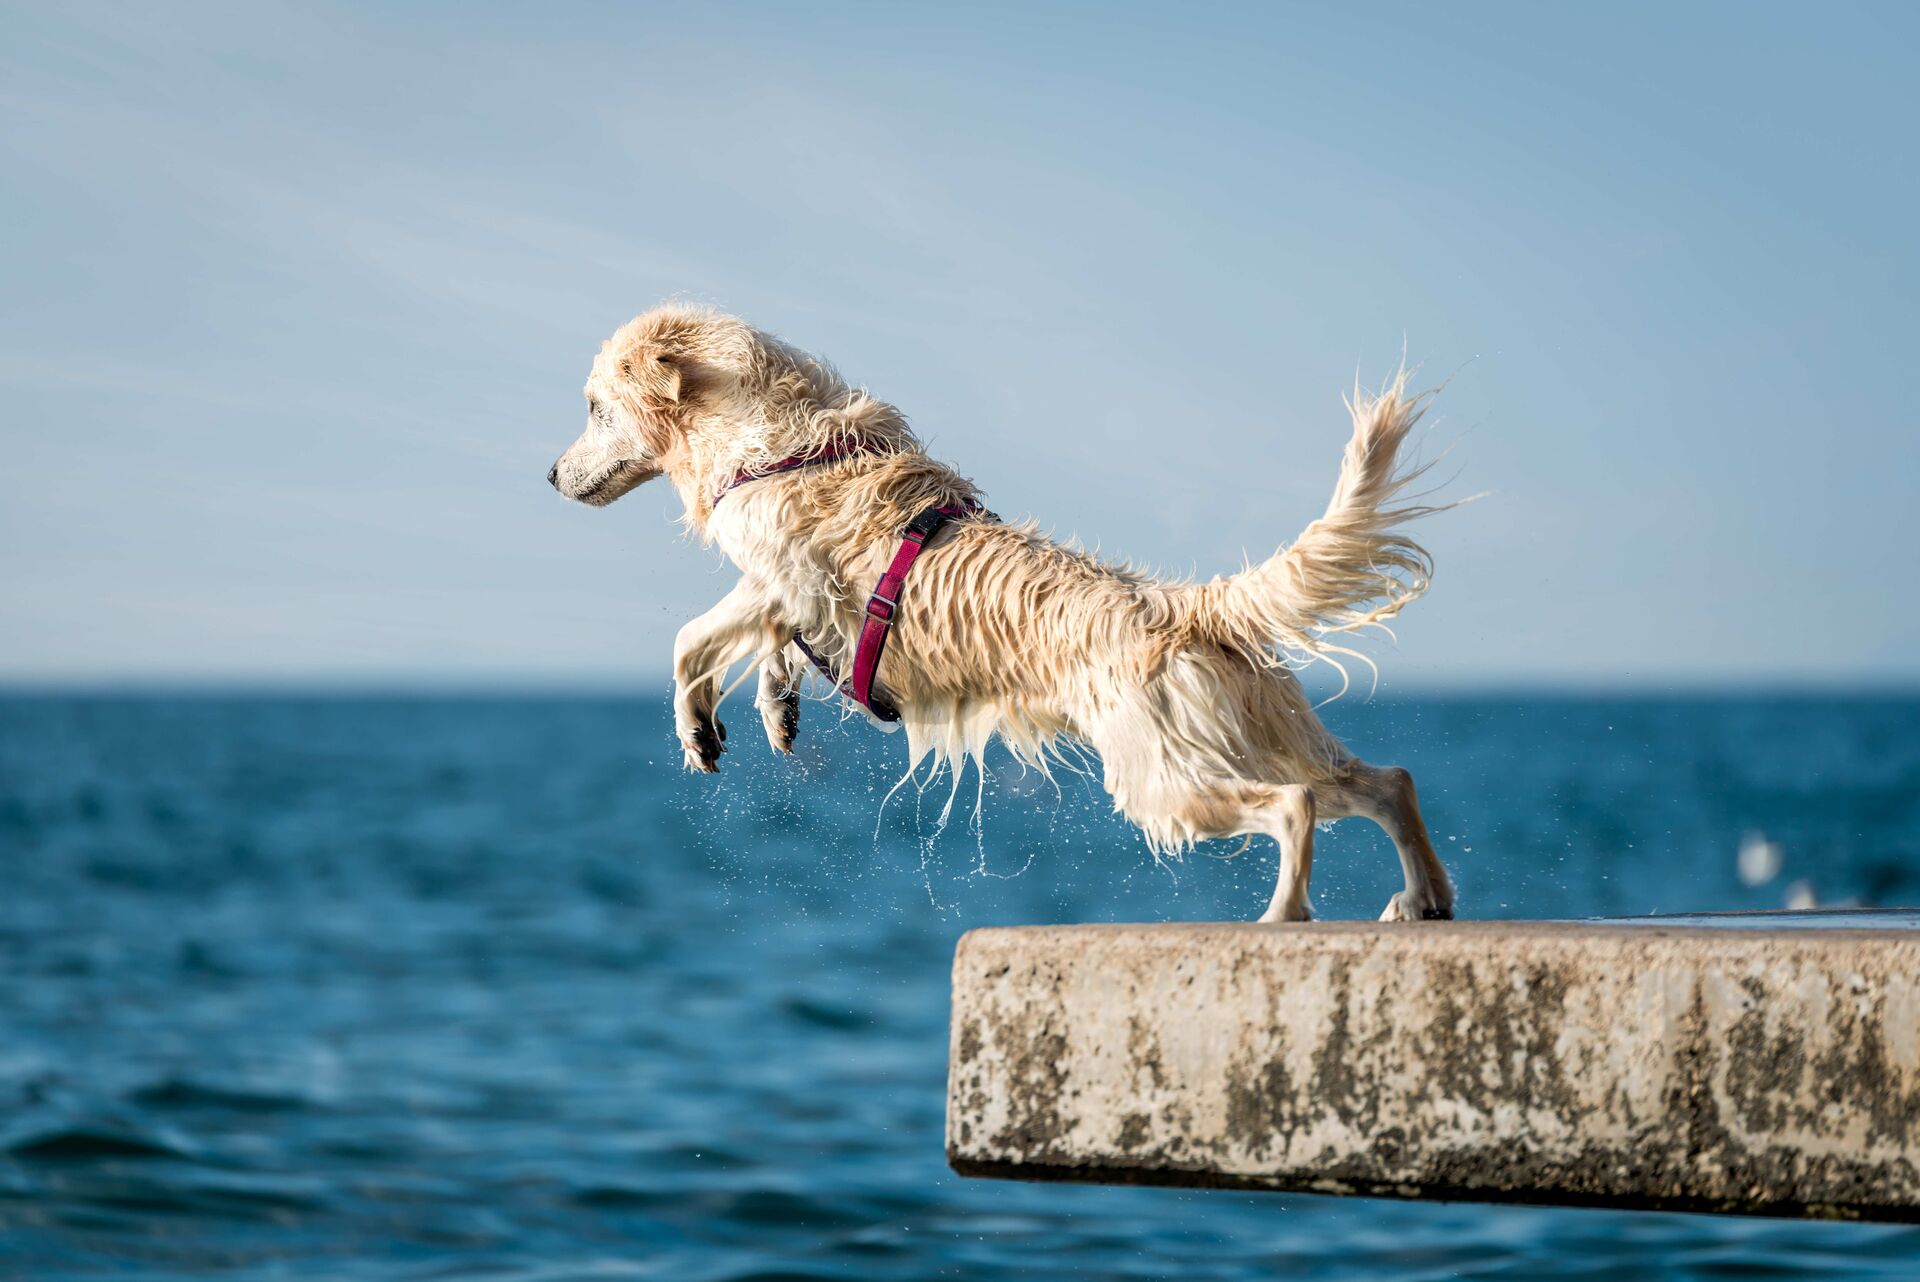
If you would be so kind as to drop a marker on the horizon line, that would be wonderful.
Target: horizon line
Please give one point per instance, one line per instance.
(524, 687)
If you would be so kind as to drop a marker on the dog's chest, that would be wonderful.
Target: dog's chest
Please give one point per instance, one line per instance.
(801, 579)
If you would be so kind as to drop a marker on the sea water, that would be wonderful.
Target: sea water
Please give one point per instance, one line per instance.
(490, 987)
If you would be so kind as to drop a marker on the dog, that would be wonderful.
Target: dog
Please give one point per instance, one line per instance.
(1186, 691)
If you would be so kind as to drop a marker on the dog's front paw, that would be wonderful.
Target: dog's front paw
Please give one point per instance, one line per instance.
(702, 746)
(1402, 907)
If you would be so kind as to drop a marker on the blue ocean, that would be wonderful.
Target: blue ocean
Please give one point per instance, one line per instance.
(341, 987)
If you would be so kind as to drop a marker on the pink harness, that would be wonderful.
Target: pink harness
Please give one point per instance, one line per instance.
(883, 603)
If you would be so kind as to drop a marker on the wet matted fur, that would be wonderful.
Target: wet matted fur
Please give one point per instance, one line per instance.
(1185, 690)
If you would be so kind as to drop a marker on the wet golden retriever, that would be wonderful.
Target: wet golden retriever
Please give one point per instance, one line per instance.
(1185, 690)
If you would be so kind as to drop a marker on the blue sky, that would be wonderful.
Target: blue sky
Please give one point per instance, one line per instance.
(298, 301)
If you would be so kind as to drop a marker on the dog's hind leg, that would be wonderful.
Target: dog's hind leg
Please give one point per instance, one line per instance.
(779, 699)
(1386, 796)
(1289, 820)
(1236, 808)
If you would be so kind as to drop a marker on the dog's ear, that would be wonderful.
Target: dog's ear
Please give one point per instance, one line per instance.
(659, 390)
(660, 378)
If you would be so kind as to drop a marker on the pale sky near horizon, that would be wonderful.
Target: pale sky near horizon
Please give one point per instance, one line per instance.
(299, 299)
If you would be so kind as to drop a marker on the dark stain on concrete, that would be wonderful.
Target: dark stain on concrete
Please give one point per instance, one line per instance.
(1263, 1108)
(1033, 1045)
(969, 1048)
(1491, 1038)
(1857, 1074)
(1143, 1047)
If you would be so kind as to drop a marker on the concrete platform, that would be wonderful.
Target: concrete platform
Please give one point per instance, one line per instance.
(1763, 1064)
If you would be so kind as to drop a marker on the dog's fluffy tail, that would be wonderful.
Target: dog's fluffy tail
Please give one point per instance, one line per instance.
(1352, 569)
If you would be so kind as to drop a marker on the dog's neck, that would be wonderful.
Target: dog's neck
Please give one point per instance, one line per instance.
(832, 452)
(718, 449)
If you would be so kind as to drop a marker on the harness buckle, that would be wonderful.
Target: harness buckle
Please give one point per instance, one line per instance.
(925, 525)
(884, 603)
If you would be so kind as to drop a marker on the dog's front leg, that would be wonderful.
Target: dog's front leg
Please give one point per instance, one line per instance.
(702, 653)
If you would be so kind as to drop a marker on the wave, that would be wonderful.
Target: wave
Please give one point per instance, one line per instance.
(184, 1094)
(85, 1142)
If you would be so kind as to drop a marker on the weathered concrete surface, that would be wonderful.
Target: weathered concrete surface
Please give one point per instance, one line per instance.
(1717, 1066)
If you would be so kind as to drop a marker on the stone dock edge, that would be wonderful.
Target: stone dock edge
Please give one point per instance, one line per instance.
(1730, 1065)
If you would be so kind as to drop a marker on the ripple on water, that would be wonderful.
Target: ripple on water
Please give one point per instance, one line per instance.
(187, 1095)
(88, 1142)
(827, 1015)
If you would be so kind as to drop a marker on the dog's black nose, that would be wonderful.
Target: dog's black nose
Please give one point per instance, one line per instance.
(553, 476)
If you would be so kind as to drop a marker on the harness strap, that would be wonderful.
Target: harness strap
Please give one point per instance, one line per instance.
(884, 601)
(883, 605)
(830, 454)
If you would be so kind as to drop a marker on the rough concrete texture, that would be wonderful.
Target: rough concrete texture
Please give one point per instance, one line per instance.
(1694, 1067)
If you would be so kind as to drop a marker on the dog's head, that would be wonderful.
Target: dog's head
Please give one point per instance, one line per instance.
(700, 396)
(649, 384)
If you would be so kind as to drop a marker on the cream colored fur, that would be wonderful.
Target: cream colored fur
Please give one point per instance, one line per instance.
(1186, 691)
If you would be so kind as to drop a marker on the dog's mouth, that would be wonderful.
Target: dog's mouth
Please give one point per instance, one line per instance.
(617, 480)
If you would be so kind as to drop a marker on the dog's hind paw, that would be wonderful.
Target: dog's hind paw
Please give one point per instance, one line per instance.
(781, 716)
(1402, 908)
(701, 750)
